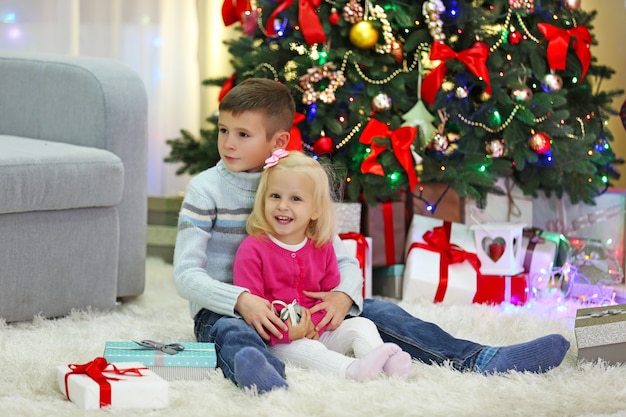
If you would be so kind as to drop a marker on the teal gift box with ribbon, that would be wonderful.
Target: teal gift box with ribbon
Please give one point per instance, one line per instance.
(171, 361)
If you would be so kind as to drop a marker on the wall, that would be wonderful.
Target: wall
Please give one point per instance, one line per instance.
(610, 32)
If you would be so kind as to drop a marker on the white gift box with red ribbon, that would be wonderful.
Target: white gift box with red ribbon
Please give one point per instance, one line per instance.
(361, 247)
(444, 266)
(120, 385)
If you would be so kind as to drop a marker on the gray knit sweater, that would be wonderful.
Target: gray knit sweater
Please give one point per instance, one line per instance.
(211, 226)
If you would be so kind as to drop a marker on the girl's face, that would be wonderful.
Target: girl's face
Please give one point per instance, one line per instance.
(243, 143)
(289, 205)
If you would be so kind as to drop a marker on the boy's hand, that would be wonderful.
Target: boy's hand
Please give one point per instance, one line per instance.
(260, 315)
(335, 303)
(304, 328)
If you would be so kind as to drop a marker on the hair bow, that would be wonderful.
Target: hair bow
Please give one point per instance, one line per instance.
(276, 156)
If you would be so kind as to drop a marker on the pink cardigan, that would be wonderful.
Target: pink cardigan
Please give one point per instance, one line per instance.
(274, 273)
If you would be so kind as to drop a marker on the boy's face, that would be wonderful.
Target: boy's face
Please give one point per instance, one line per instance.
(242, 141)
(289, 205)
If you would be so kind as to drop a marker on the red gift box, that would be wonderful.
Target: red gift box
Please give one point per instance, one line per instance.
(497, 289)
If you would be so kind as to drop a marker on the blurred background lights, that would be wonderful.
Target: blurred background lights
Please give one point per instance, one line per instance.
(9, 17)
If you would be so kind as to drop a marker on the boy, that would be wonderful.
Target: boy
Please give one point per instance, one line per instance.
(255, 118)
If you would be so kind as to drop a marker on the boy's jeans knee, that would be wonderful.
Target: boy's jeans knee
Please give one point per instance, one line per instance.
(230, 335)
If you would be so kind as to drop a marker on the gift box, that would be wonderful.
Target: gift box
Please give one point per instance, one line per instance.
(499, 248)
(162, 226)
(498, 289)
(441, 262)
(348, 217)
(540, 252)
(386, 224)
(172, 361)
(601, 333)
(99, 384)
(387, 281)
(439, 201)
(361, 247)
(604, 220)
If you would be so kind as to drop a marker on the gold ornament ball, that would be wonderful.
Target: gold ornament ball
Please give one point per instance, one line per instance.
(363, 35)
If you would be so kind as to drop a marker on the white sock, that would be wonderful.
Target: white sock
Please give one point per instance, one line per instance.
(371, 365)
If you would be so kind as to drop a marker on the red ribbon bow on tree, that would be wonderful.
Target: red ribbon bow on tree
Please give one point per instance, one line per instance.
(438, 240)
(558, 43)
(233, 10)
(295, 136)
(474, 58)
(401, 141)
(94, 370)
(310, 24)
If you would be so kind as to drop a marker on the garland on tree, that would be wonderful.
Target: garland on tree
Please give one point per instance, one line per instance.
(508, 80)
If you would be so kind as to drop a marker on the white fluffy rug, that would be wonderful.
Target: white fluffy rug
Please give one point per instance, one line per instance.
(29, 353)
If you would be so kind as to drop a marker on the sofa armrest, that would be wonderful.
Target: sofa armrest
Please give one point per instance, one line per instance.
(90, 102)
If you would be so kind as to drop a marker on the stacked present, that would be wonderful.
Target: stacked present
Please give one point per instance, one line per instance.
(386, 223)
(134, 374)
(443, 263)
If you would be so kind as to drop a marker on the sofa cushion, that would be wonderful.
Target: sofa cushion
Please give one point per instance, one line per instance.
(42, 175)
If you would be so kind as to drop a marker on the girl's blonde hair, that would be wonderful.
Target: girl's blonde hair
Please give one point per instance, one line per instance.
(321, 230)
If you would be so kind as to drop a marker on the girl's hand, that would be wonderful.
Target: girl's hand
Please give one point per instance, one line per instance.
(304, 328)
(335, 303)
(260, 315)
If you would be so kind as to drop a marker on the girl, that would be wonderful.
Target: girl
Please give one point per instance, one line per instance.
(289, 256)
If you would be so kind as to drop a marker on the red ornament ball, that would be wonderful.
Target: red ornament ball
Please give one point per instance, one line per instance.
(515, 38)
(539, 142)
(334, 17)
(324, 145)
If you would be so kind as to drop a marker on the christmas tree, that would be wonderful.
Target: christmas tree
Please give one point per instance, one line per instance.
(396, 93)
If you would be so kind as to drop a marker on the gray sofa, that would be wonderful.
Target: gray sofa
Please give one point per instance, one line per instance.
(73, 193)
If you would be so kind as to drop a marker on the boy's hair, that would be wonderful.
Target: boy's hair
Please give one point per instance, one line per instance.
(319, 231)
(272, 99)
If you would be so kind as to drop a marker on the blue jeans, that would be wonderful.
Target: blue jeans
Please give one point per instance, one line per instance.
(230, 335)
(424, 341)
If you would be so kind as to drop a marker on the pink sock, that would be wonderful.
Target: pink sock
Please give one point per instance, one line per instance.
(372, 364)
(398, 365)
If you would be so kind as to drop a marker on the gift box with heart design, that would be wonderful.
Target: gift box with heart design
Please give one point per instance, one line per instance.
(499, 248)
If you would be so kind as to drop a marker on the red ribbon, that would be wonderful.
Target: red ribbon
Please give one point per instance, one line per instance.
(295, 136)
(558, 43)
(233, 10)
(226, 87)
(474, 58)
(94, 370)
(361, 251)
(310, 24)
(534, 237)
(390, 244)
(438, 240)
(401, 141)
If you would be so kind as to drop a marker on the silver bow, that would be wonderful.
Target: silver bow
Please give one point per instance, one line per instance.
(169, 348)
